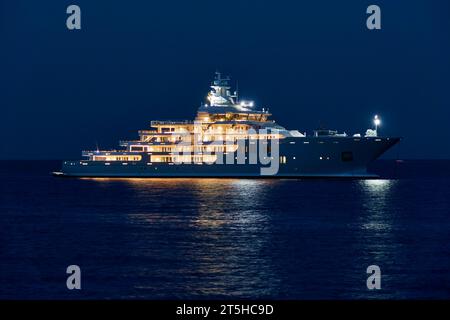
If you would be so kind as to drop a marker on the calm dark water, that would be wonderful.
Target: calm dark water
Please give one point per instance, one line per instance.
(203, 239)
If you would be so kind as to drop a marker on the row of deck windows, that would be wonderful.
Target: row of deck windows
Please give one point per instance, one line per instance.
(346, 156)
(117, 158)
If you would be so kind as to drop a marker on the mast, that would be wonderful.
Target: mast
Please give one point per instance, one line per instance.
(220, 94)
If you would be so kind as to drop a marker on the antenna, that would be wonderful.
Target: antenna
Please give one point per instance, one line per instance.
(237, 91)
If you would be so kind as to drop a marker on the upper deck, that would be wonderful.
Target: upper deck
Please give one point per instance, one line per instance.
(159, 123)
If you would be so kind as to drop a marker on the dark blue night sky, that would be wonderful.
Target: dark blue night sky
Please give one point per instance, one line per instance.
(310, 62)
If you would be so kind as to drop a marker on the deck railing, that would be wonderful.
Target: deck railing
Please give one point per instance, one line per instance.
(170, 122)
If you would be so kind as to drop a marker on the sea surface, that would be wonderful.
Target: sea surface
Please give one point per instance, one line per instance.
(225, 238)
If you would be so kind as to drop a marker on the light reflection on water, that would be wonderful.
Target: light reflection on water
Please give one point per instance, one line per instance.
(228, 211)
(226, 238)
(375, 238)
(376, 202)
(377, 186)
(222, 229)
(240, 238)
(216, 197)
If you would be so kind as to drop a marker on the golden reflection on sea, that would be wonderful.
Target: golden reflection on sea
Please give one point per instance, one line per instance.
(215, 222)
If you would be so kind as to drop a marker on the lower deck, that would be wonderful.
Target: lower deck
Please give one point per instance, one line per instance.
(325, 157)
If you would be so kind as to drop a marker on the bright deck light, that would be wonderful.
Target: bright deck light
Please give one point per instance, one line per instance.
(376, 121)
